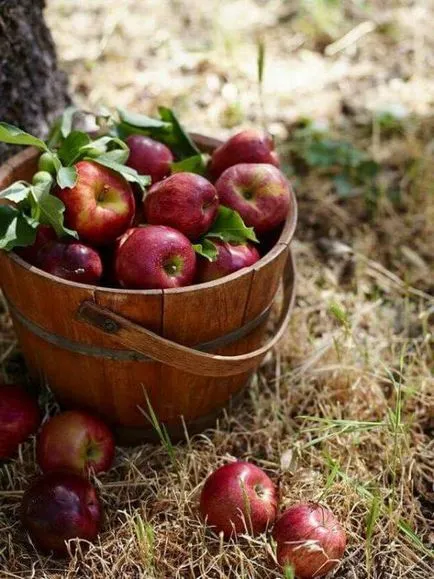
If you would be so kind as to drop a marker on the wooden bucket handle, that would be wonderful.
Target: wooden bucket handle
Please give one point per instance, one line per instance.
(143, 341)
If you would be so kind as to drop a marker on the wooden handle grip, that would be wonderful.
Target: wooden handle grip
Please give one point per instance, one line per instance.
(139, 339)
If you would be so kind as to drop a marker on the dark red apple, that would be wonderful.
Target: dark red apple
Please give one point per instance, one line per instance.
(60, 506)
(230, 258)
(154, 257)
(249, 146)
(185, 201)
(100, 206)
(239, 498)
(149, 157)
(76, 441)
(19, 418)
(44, 234)
(71, 261)
(259, 192)
(309, 539)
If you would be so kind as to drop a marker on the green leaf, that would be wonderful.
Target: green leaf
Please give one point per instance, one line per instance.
(206, 248)
(16, 229)
(196, 164)
(67, 177)
(66, 120)
(71, 148)
(230, 227)
(128, 173)
(16, 192)
(7, 214)
(167, 130)
(102, 145)
(117, 155)
(406, 529)
(52, 212)
(142, 121)
(179, 140)
(15, 136)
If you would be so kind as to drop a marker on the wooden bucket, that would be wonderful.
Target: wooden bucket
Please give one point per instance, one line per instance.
(186, 351)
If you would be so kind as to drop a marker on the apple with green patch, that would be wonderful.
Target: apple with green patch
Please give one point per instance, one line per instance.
(101, 206)
(154, 257)
(75, 441)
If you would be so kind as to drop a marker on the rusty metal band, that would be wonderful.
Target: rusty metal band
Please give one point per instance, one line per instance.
(129, 355)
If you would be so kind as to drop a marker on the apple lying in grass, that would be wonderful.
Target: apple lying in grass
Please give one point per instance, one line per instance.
(249, 146)
(230, 258)
(185, 201)
(72, 261)
(259, 192)
(19, 418)
(100, 206)
(44, 234)
(149, 157)
(75, 441)
(239, 498)
(60, 506)
(309, 539)
(154, 257)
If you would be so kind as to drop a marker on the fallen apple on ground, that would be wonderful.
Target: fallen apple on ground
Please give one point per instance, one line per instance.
(184, 201)
(259, 192)
(101, 205)
(249, 146)
(60, 506)
(154, 257)
(19, 418)
(149, 157)
(72, 261)
(75, 441)
(239, 498)
(230, 258)
(309, 539)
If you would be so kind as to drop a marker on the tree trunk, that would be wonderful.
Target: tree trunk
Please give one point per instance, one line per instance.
(32, 89)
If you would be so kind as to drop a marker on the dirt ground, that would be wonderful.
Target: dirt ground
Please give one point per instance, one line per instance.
(343, 412)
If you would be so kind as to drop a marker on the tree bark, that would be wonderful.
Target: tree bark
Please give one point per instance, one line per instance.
(33, 91)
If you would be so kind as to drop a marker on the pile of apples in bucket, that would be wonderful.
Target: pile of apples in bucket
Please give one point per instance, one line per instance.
(88, 217)
(140, 207)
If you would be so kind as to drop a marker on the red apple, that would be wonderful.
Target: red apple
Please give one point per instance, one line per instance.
(72, 261)
(60, 506)
(44, 234)
(230, 258)
(100, 206)
(76, 441)
(249, 146)
(19, 418)
(238, 498)
(309, 539)
(185, 201)
(149, 157)
(259, 192)
(154, 257)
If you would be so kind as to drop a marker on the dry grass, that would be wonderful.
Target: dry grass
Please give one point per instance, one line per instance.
(344, 410)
